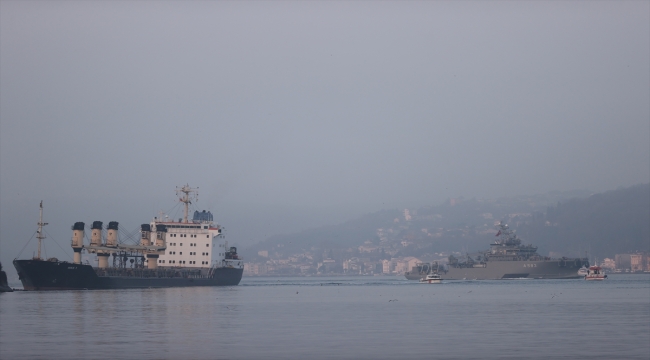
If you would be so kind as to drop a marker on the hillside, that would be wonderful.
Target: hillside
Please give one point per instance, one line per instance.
(613, 222)
(559, 223)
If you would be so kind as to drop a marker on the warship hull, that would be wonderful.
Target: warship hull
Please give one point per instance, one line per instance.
(414, 276)
(498, 270)
(60, 275)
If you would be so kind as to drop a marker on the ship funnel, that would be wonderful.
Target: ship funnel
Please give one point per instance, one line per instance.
(152, 261)
(161, 235)
(77, 240)
(111, 234)
(103, 260)
(96, 234)
(145, 238)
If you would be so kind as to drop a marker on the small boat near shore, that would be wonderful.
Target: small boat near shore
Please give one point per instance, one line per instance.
(583, 271)
(431, 279)
(595, 273)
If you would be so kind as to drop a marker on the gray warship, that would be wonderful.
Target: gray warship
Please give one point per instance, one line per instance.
(507, 258)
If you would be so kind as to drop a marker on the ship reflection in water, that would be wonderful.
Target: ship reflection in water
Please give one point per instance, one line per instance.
(342, 318)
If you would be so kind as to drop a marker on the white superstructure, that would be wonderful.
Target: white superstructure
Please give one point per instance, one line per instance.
(195, 243)
(192, 244)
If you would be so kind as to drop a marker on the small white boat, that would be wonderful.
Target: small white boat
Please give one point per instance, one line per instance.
(595, 273)
(583, 271)
(431, 279)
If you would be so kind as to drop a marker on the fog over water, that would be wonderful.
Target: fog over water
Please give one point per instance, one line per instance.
(289, 115)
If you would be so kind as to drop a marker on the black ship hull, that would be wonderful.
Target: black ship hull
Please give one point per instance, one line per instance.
(60, 275)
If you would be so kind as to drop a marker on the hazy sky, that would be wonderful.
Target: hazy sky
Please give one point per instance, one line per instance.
(293, 114)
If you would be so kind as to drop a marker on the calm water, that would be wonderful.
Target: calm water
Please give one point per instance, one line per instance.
(336, 318)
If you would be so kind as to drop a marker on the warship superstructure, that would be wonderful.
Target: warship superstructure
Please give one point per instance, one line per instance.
(507, 258)
(169, 254)
(421, 270)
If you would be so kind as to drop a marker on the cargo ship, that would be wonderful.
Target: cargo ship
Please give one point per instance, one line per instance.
(168, 254)
(507, 258)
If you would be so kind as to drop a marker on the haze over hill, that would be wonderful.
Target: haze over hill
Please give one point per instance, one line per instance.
(559, 223)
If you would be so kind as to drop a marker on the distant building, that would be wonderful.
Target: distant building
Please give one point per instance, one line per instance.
(263, 253)
(632, 262)
(407, 215)
(327, 266)
(623, 262)
(608, 264)
(367, 247)
(636, 263)
(388, 266)
(253, 269)
(399, 265)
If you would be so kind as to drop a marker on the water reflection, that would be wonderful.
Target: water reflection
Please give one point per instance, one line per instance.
(345, 319)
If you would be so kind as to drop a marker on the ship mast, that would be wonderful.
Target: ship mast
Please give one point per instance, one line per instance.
(186, 198)
(40, 235)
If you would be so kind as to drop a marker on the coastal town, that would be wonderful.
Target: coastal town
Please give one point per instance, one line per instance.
(411, 238)
(305, 265)
(393, 242)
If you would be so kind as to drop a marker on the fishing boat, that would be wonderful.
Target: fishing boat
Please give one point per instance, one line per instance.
(595, 273)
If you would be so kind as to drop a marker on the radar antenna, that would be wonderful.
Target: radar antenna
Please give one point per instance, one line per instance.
(187, 198)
